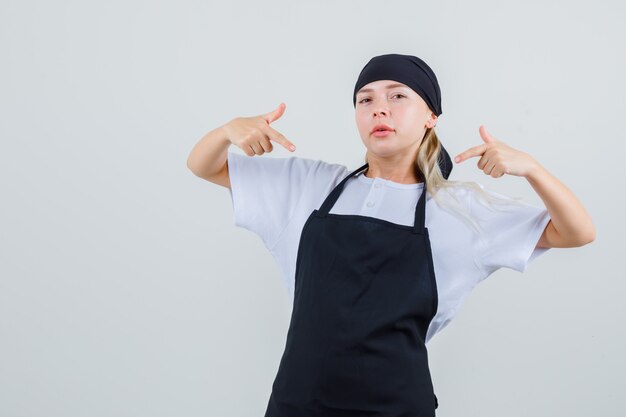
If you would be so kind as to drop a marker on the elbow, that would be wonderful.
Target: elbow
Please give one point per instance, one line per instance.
(591, 236)
(586, 238)
(586, 234)
(191, 166)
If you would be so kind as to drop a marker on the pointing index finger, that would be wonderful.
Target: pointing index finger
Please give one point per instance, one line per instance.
(275, 135)
(471, 152)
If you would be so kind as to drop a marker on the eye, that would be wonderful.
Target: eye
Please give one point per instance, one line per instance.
(395, 95)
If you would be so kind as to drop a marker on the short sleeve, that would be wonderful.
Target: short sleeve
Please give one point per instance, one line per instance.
(509, 233)
(265, 192)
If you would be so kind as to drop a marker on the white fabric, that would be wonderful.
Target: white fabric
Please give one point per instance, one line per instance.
(273, 197)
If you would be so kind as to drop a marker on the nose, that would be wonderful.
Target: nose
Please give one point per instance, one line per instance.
(381, 109)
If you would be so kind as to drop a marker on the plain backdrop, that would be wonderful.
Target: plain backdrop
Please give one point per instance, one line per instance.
(125, 288)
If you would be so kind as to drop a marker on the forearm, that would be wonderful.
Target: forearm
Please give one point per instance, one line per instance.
(569, 217)
(209, 155)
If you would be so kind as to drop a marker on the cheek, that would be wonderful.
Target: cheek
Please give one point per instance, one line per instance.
(361, 123)
(407, 120)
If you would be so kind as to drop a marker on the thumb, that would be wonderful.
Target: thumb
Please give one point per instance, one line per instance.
(275, 114)
(486, 136)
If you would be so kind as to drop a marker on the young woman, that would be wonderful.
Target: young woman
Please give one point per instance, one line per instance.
(379, 259)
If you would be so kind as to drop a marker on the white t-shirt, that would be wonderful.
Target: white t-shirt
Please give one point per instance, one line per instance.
(273, 197)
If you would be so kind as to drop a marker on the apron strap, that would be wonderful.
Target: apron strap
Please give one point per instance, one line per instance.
(420, 208)
(334, 195)
(420, 213)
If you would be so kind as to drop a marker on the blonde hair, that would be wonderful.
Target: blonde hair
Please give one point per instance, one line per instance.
(427, 169)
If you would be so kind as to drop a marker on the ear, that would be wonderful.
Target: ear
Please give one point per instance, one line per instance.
(432, 121)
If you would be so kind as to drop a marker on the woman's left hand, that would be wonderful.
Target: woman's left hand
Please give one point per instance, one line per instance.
(498, 158)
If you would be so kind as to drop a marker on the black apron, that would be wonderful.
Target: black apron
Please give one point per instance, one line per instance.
(365, 294)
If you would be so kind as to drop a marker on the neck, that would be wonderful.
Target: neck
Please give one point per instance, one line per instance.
(400, 171)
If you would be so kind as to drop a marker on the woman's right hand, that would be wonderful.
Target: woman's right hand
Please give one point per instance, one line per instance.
(253, 134)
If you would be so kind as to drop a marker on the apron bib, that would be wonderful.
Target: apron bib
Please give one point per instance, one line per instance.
(365, 294)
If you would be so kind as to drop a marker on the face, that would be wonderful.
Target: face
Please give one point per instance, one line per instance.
(396, 105)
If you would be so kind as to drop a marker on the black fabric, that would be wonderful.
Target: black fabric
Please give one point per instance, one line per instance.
(445, 163)
(365, 295)
(407, 69)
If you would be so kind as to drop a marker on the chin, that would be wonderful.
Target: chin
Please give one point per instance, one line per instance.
(383, 145)
(382, 152)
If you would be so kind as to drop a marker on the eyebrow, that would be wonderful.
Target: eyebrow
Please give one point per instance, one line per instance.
(390, 86)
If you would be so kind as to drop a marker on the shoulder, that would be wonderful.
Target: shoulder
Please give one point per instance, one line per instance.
(292, 161)
(478, 206)
(290, 171)
(474, 193)
(456, 193)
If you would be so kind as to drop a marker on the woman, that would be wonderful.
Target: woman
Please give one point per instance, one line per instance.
(379, 259)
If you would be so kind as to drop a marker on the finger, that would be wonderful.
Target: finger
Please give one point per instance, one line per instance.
(275, 114)
(248, 150)
(498, 172)
(471, 152)
(266, 144)
(486, 136)
(256, 147)
(482, 162)
(275, 135)
(489, 167)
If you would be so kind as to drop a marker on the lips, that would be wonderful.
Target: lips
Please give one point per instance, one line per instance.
(381, 127)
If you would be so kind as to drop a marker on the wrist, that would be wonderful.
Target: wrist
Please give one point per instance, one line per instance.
(222, 134)
(536, 171)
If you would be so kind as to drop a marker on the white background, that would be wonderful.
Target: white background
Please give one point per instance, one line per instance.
(125, 289)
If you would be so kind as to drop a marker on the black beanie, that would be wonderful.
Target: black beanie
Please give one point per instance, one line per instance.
(407, 69)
